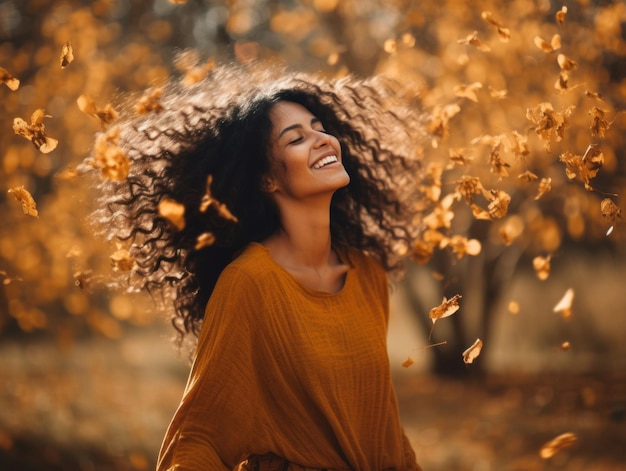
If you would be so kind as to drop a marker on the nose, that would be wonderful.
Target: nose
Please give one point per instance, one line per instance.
(322, 138)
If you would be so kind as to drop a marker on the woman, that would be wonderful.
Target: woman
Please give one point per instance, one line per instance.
(290, 224)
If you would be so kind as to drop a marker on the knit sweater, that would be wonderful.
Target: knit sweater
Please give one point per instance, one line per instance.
(288, 370)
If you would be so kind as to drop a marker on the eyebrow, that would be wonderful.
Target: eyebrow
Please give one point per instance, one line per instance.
(296, 126)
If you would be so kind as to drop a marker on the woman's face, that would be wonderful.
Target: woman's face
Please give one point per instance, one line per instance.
(305, 161)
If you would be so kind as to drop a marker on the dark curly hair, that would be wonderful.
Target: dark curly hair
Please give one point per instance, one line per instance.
(218, 129)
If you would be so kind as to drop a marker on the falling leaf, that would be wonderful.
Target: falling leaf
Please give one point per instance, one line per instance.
(445, 309)
(458, 157)
(473, 40)
(26, 199)
(565, 63)
(150, 101)
(67, 55)
(472, 352)
(553, 45)
(545, 185)
(551, 448)
(468, 186)
(514, 307)
(178, 2)
(109, 158)
(610, 211)
(584, 167)
(564, 306)
(560, 15)
(527, 176)
(498, 94)
(499, 204)
(599, 125)
(35, 131)
(121, 260)
(88, 106)
(409, 361)
(9, 80)
(542, 267)
(595, 95)
(205, 239)
(504, 33)
(565, 346)
(468, 91)
(208, 201)
(83, 279)
(173, 211)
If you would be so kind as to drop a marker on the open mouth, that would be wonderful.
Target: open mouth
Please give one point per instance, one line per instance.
(329, 159)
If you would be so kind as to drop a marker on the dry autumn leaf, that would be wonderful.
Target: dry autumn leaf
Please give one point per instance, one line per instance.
(560, 15)
(472, 352)
(88, 106)
(121, 260)
(67, 55)
(208, 201)
(551, 448)
(468, 91)
(564, 306)
(8, 79)
(29, 206)
(445, 309)
(503, 33)
(205, 239)
(109, 158)
(610, 211)
(409, 361)
(599, 125)
(472, 39)
(150, 101)
(35, 131)
(553, 45)
(545, 185)
(173, 211)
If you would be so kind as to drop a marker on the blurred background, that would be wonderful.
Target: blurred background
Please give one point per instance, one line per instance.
(523, 184)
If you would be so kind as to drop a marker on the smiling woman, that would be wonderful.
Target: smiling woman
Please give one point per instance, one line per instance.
(291, 194)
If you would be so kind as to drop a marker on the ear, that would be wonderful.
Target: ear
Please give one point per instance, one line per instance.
(267, 184)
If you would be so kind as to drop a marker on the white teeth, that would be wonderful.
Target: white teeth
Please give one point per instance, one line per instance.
(325, 161)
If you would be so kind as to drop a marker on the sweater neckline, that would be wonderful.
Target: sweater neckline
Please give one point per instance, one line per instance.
(292, 279)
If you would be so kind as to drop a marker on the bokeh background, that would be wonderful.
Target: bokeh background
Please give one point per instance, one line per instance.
(522, 188)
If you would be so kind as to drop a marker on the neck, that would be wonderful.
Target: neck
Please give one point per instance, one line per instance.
(304, 238)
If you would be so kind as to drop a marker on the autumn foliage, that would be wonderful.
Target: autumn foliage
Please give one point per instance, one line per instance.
(525, 136)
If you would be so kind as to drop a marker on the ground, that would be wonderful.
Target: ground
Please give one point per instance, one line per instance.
(104, 405)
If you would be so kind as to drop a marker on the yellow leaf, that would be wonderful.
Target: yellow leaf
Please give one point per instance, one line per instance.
(472, 352)
(551, 448)
(409, 361)
(27, 201)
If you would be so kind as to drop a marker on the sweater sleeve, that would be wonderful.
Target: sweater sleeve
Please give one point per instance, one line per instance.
(218, 396)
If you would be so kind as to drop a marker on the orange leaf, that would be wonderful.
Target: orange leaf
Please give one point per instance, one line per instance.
(25, 198)
(173, 211)
(564, 306)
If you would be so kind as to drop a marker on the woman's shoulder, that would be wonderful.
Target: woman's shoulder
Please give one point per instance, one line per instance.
(252, 261)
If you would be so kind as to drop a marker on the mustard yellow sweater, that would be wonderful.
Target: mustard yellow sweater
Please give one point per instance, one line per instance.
(284, 369)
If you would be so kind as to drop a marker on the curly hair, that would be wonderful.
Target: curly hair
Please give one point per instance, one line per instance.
(217, 131)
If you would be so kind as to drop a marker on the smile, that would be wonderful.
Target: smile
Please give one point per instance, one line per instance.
(330, 159)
